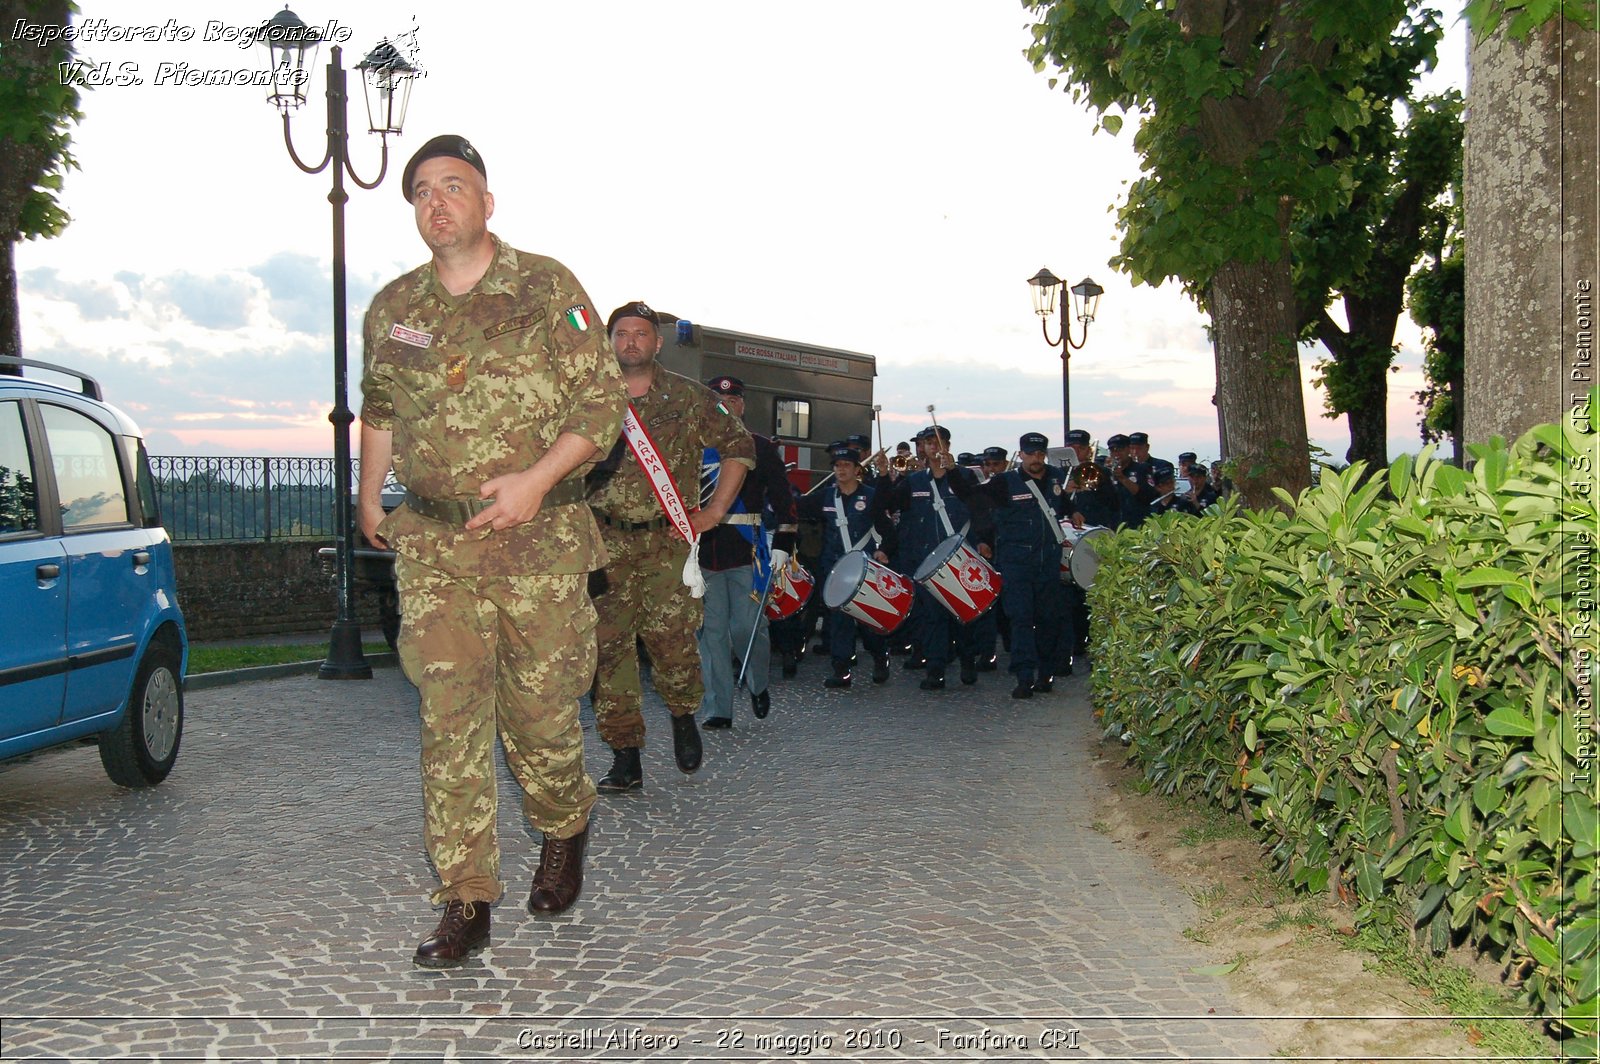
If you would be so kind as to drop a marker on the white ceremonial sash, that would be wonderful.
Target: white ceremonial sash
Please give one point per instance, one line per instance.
(1049, 514)
(666, 489)
(843, 521)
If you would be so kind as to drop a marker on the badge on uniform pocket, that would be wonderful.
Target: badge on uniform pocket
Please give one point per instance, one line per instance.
(455, 371)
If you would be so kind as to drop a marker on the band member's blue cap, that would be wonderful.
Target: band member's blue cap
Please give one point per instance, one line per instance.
(845, 454)
(1078, 436)
(1033, 442)
(995, 454)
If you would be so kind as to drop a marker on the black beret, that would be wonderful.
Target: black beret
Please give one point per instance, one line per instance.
(1033, 441)
(726, 385)
(449, 145)
(636, 309)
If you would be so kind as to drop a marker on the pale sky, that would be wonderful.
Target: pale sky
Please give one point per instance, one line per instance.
(877, 177)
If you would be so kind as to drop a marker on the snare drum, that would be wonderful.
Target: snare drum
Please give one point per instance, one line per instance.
(960, 578)
(790, 589)
(869, 591)
(1079, 560)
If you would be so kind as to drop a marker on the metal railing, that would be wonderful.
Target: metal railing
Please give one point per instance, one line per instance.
(220, 499)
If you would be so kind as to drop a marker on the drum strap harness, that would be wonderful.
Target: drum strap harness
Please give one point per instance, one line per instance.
(938, 507)
(666, 489)
(840, 519)
(1049, 515)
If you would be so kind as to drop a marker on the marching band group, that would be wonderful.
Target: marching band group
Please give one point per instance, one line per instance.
(940, 557)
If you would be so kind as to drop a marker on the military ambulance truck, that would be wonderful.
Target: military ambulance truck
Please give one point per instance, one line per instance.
(802, 395)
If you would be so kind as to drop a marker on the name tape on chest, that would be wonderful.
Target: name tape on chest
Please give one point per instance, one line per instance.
(410, 336)
(521, 321)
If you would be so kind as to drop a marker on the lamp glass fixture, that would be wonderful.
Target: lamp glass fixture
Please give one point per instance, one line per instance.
(1046, 286)
(291, 55)
(386, 80)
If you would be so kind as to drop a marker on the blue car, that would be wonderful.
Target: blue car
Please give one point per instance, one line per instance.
(92, 642)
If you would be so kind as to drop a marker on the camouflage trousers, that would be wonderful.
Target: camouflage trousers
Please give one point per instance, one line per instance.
(487, 653)
(644, 599)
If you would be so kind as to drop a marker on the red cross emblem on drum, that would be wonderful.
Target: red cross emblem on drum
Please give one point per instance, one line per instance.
(869, 591)
(960, 578)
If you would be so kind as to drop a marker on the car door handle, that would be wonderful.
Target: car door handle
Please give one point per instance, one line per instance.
(48, 571)
(141, 557)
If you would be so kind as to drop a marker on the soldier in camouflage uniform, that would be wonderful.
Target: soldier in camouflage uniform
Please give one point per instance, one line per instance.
(644, 595)
(490, 387)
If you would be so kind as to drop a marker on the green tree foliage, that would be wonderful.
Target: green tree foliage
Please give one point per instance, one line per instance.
(1241, 103)
(37, 110)
(1522, 17)
(1402, 173)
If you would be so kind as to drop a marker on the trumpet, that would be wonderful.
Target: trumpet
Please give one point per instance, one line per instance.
(1088, 475)
(902, 463)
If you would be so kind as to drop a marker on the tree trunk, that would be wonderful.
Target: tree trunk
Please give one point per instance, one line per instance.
(1530, 197)
(10, 316)
(1258, 378)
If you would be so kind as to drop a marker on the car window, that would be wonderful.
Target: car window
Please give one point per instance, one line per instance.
(88, 478)
(19, 499)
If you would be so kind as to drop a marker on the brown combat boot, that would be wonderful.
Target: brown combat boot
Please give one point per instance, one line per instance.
(559, 877)
(462, 931)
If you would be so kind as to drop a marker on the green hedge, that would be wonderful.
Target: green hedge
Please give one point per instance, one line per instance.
(1394, 682)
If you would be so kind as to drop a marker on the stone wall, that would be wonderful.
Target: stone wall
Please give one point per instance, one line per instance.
(235, 590)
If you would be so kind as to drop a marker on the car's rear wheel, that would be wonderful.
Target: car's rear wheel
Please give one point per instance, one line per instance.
(142, 747)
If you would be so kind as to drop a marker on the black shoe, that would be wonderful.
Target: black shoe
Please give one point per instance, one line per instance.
(1044, 684)
(686, 742)
(625, 774)
(988, 664)
(914, 662)
(761, 705)
(558, 880)
(1024, 689)
(880, 669)
(969, 671)
(841, 676)
(934, 681)
(463, 931)
(717, 722)
(790, 665)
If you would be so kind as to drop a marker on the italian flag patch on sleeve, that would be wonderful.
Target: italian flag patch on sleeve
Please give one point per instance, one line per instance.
(578, 317)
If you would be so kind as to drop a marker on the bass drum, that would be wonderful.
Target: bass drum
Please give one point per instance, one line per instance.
(1079, 560)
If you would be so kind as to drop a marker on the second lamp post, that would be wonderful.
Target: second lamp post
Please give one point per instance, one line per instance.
(1085, 301)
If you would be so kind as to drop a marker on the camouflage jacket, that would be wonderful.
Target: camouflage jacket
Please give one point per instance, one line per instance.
(683, 417)
(479, 385)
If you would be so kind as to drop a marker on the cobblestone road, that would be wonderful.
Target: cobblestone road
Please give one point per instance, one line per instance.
(873, 874)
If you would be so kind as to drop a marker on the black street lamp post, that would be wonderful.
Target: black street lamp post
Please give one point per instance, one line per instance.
(291, 47)
(1085, 301)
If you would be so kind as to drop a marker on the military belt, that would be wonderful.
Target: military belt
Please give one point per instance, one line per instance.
(630, 526)
(460, 511)
(741, 519)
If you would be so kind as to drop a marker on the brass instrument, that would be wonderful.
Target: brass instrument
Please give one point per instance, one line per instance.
(902, 463)
(1089, 476)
